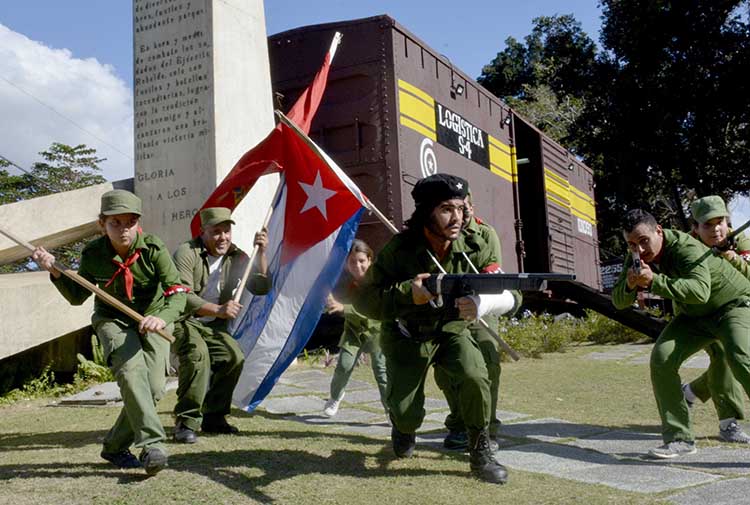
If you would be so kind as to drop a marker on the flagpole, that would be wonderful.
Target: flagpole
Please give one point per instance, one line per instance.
(249, 266)
(372, 208)
(103, 295)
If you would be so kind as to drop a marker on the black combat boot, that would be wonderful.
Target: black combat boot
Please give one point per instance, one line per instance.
(403, 443)
(483, 464)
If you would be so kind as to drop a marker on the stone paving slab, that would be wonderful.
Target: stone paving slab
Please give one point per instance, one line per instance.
(620, 443)
(725, 492)
(722, 460)
(640, 477)
(589, 466)
(699, 361)
(363, 396)
(344, 416)
(549, 430)
(293, 405)
(554, 459)
(286, 390)
(104, 394)
(377, 430)
(299, 376)
(314, 384)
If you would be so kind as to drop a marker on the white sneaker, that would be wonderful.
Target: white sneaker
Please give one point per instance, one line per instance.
(673, 449)
(332, 406)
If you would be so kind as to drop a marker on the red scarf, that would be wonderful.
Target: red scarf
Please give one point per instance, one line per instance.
(124, 268)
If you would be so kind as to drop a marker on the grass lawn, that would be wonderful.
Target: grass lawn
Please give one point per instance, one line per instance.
(51, 454)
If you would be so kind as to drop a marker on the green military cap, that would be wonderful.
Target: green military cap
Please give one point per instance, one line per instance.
(707, 208)
(215, 215)
(119, 201)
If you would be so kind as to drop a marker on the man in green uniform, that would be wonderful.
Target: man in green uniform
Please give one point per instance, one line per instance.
(135, 268)
(711, 227)
(457, 438)
(210, 359)
(418, 332)
(712, 302)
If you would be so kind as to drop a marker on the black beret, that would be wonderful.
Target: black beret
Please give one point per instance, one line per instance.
(438, 188)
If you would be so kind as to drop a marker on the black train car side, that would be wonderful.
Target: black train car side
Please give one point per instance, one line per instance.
(395, 111)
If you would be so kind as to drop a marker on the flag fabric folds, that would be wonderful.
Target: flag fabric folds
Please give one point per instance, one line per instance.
(314, 221)
(315, 217)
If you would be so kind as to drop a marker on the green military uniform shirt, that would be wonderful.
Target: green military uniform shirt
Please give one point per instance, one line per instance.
(688, 273)
(386, 291)
(153, 273)
(191, 260)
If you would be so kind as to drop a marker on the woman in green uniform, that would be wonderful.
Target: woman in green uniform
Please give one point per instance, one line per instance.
(361, 334)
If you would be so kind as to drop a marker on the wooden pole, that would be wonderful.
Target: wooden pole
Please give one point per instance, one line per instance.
(372, 208)
(103, 295)
(248, 268)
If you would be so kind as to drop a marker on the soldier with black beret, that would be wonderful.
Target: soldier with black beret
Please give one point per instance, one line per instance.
(417, 334)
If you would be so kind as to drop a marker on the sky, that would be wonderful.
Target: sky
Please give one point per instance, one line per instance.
(66, 67)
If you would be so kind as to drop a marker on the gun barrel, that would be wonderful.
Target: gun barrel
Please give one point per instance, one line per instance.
(464, 284)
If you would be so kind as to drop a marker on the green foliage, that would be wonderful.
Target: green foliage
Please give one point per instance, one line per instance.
(661, 112)
(600, 329)
(535, 334)
(38, 387)
(95, 370)
(552, 114)
(89, 372)
(64, 168)
(545, 79)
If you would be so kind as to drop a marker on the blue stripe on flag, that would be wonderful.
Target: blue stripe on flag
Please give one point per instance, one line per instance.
(311, 309)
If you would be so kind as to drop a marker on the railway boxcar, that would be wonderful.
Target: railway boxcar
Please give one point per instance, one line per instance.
(395, 111)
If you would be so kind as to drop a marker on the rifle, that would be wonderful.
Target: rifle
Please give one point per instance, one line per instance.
(458, 285)
(731, 241)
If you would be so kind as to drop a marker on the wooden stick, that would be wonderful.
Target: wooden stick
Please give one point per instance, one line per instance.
(103, 295)
(248, 268)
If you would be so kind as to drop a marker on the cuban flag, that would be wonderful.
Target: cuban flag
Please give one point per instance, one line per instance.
(314, 220)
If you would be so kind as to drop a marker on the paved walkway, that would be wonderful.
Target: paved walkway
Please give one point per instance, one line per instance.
(585, 453)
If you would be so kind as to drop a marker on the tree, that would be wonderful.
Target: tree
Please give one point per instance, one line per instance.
(546, 79)
(661, 112)
(64, 168)
(670, 121)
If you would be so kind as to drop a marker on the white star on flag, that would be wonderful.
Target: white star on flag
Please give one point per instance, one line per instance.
(316, 196)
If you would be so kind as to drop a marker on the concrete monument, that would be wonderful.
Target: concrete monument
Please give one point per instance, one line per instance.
(203, 97)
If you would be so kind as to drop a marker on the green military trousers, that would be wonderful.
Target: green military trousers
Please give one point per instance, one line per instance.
(407, 364)
(683, 337)
(139, 364)
(349, 352)
(210, 365)
(491, 354)
(727, 398)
